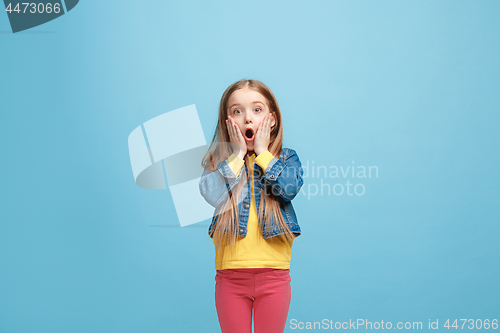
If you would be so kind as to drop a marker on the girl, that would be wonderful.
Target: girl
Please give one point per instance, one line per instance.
(247, 171)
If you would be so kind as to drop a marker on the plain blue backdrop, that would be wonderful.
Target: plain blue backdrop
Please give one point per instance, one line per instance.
(411, 87)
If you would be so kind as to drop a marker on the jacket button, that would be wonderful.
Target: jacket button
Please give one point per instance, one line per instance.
(267, 233)
(272, 176)
(242, 231)
(229, 175)
(247, 206)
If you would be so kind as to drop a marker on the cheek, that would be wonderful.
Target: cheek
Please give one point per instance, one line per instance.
(237, 123)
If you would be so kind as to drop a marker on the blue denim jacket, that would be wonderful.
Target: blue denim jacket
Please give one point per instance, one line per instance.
(283, 178)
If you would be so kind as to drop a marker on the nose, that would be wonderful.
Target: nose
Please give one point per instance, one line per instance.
(248, 117)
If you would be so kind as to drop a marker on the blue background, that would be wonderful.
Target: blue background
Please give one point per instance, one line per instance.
(409, 87)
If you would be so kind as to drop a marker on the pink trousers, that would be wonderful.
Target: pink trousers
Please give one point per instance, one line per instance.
(266, 291)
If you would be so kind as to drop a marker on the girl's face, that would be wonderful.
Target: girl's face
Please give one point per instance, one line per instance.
(248, 108)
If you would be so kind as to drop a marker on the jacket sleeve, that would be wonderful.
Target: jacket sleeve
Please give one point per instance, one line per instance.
(283, 178)
(215, 186)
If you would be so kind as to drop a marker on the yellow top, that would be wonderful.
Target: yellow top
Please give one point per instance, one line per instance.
(253, 250)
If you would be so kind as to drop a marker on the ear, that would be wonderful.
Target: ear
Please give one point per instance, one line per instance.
(273, 120)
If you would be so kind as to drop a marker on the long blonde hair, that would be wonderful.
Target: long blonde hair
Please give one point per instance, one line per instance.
(227, 226)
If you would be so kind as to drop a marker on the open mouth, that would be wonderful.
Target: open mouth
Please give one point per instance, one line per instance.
(249, 135)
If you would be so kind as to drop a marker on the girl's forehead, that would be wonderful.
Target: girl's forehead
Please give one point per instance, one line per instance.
(245, 96)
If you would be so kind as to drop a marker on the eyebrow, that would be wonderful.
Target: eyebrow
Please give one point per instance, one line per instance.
(255, 102)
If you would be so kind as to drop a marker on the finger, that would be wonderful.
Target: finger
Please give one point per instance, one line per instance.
(239, 135)
(268, 122)
(233, 126)
(228, 125)
(237, 131)
(230, 128)
(261, 126)
(236, 135)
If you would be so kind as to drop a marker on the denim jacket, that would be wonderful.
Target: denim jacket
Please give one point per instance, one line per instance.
(283, 178)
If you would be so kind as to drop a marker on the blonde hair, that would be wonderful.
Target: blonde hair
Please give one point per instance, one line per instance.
(226, 228)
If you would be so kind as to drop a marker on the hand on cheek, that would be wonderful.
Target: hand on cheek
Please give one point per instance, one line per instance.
(263, 135)
(236, 137)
